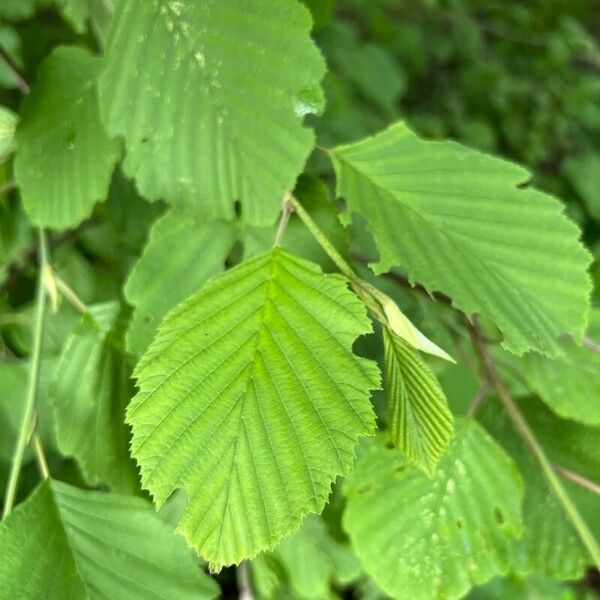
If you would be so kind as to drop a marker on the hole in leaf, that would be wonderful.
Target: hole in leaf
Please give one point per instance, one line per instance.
(144, 140)
(237, 209)
(363, 489)
(498, 516)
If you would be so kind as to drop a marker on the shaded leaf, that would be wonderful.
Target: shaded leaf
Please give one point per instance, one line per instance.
(91, 388)
(458, 222)
(570, 383)
(68, 543)
(435, 537)
(181, 255)
(65, 159)
(419, 419)
(220, 94)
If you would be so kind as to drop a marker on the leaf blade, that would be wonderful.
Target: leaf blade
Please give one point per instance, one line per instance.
(292, 401)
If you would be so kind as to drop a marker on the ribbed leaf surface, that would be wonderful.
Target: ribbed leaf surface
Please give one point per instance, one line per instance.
(549, 544)
(220, 90)
(181, 255)
(65, 159)
(457, 221)
(570, 383)
(419, 420)
(66, 543)
(252, 402)
(91, 388)
(305, 565)
(431, 538)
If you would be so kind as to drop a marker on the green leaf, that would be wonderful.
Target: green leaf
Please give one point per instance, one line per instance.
(570, 383)
(8, 124)
(549, 545)
(91, 389)
(64, 159)
(68, 543)
(220, 91)
(181, 255)
(435, 536)
(457, 221)
(252, 402)
(419, 420)
(308, 563)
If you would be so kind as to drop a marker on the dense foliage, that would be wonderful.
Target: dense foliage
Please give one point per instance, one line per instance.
(265, 331)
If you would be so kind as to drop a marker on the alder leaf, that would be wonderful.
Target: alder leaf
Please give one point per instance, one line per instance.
(549, 545)
(64, 160)
(307, 564)
(182, 254)
(436, 537)
(570, 383)
(252, 402)
(63, 542)
(220, 91)
(419, 419)
(91, 388)
(458, 222)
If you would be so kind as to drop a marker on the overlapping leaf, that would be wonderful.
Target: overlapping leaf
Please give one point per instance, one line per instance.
(221, 89)
(91, 389)
(435, 537)
(181, 255)
(570, 383)
(252, 402)
(549, 544)
(64, 542)
(458, 221)
(65, 158)
(307, 564)
(419, 420)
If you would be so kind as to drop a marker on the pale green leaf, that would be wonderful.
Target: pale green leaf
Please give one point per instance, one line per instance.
(220, 89)
(437, 536)
(8, 124)
(181, 255)
(459, 222)
(252, 402)
(64, 542)
(419, 419)
(307, 563)
(549, 544)
(91, 388)
(570, 383)
(65, 159)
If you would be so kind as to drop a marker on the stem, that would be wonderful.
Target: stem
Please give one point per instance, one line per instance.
(34, 376)
(286, 211)
(14, 69)
(528, 436)
(67, 291)
(40, 456)
(243, 581)
(319, 236)
(578, 479)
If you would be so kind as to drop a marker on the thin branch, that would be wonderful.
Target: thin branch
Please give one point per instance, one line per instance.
(483, 391)
(590, 344)
(7, 187)
(578, 479)
(243, 581)
(40, 457)
(67, 291)
(286, 212)
(34, 377)
(491, 374)
(12, 66)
